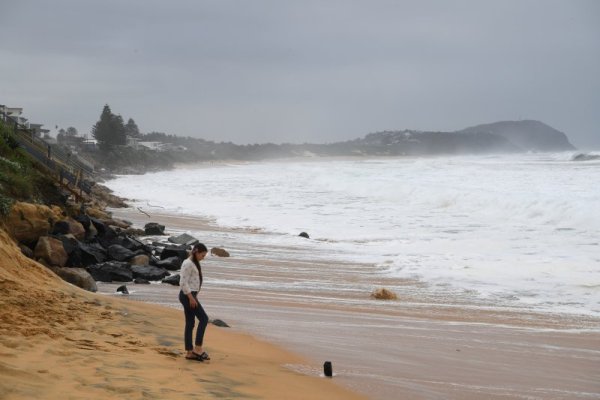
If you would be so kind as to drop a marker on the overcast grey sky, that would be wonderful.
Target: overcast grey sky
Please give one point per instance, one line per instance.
(303, 71)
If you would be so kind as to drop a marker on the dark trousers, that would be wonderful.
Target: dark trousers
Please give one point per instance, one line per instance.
(190, 319)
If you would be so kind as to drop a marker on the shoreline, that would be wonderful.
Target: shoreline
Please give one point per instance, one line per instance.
(384, 350)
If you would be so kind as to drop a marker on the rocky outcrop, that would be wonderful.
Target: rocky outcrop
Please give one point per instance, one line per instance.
(526, 135)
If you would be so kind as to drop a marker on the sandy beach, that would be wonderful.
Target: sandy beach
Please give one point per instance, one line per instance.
(60, 342)
(421, 346)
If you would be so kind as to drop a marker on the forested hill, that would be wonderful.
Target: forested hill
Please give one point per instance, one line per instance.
(527, 135)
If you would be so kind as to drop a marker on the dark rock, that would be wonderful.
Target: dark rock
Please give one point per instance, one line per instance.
(216, 251)
(220, 323)
(149, 272)
(119, 253)
(153, 228)
(109, 237)
(78, 277)
(172, 280)
(26, 251)
(111, 271)
(141, 281)
(184, 239)
(60, 228)
(92, 253)
(171, 263)
(99, 225)
(174, 251)
(585, 157)
(85, 221)
(73, 249)
(131, 243)
(304, 235)
(122, 289)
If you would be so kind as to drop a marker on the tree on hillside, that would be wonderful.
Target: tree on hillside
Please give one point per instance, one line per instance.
(131, 129)
(71, 131)
(109, 131)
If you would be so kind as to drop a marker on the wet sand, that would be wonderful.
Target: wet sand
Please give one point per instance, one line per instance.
(427, 345)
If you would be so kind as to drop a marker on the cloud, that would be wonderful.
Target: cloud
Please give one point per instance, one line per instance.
(304, 71)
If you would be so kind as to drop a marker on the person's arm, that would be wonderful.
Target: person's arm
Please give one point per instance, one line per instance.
(184, 278)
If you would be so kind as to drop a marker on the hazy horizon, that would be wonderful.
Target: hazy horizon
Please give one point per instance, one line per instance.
(316, 72)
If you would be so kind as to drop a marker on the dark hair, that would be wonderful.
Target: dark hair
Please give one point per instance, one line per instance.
(198, 248)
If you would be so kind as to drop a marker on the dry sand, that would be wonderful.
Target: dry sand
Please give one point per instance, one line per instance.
(60, 342)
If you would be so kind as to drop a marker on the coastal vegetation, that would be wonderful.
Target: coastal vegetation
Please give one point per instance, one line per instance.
(20, 177)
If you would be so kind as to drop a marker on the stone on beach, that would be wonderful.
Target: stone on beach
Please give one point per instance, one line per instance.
(78, 277)
(153, 228)
(184, 239)
(383, 294)
(148, 272)
(216, 251)
(172, 280)
(111, 271)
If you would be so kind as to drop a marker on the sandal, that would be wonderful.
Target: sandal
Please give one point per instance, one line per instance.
(204, 356)
(194, 357)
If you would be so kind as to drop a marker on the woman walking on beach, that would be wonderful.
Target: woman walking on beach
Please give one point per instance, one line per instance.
(190, 281)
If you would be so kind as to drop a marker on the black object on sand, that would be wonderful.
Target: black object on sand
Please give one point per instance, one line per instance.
(328, 369)
(123, 289)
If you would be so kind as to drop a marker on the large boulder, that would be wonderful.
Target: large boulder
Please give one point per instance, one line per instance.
(27, 222)
(148, 272)
(92, 253)
(174, 251)
(72, 247)
(108, 237)
(78, 277)
(119, 253)
(140, 259)
(184, 239)
(129, 243)
(60, 228)
(51, 250)
(172, 280)
(111, 271)
(153, 228)
(171, 263)
(76, 229)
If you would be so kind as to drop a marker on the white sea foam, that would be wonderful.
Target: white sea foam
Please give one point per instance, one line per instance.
(524, 227)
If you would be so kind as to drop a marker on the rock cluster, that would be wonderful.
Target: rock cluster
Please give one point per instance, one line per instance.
(83, 249)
